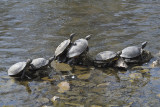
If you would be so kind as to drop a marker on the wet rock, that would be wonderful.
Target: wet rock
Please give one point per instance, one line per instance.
(78, 70)
(48, 79)
(53, 99)
(47, 106)
(61, 66)
(156, 63)
(95, 106)
(123, 77)
(158, 54)
(135, 76)
(146, 56)
(137, 68)
(100, 90)
(63, 87)
(84, 76)
(103, 84)
(78, 83)
(74, 104)
(43, 100)
(158, 95)
(144, 71)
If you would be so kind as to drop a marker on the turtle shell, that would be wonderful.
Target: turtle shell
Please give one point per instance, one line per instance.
(78, 47)
(39, 63)
(61, 48)
(131, 52)
(106, 55)
(16, 68)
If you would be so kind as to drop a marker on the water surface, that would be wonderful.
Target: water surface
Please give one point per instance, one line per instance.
(34, 28)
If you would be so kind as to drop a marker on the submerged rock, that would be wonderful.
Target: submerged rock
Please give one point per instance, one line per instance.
(144, 71)
(43, 100)
(156, 63)
(84, 76)
(61, 66)
(53, 99)
(135, 76)
(63, 87)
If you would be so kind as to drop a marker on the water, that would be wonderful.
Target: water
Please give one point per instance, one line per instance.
(32, 29)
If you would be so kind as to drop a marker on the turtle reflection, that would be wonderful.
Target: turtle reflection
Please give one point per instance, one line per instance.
(108, 85)
(24, 83)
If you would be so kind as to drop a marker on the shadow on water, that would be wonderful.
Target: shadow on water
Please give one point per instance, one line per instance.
(32, 29)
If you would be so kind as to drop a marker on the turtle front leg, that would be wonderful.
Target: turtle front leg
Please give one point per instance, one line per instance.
(27, 76)
(64, 59)
(32, 67)
(120, 63)
(23, 74)
(87, 49)
(50, 66)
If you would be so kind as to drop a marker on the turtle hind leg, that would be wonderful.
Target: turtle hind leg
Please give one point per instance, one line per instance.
(62, 58)
(71, 61)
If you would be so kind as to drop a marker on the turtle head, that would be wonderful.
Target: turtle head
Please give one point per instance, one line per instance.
(88, 37)
(71, 36)
(51, 59)
(119, 53)
(28, 62)
(144, 44)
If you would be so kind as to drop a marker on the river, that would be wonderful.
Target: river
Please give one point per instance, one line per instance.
(34, 28)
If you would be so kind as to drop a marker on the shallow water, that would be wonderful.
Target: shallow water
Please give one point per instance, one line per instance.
(34, 28)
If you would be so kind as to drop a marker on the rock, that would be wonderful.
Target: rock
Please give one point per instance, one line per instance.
(103, 84)
(61, 66)
(95, 106)
(135, 76)
(48, 79)
(84, 76)
(53, 99)
(144, 71)
(43, 100)
(156, 63)
(158, 95)
(63, 87)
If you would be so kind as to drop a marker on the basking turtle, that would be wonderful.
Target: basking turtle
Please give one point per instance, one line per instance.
(109, 58)
(62, 49)
(19, 69)
(41, 63)
(133, 54)
(79, 47)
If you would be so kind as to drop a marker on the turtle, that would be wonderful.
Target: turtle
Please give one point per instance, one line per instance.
(133, 54)
(41, 63)
(61, 50)
(109, 58)
(19, 69)
(79, 47)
